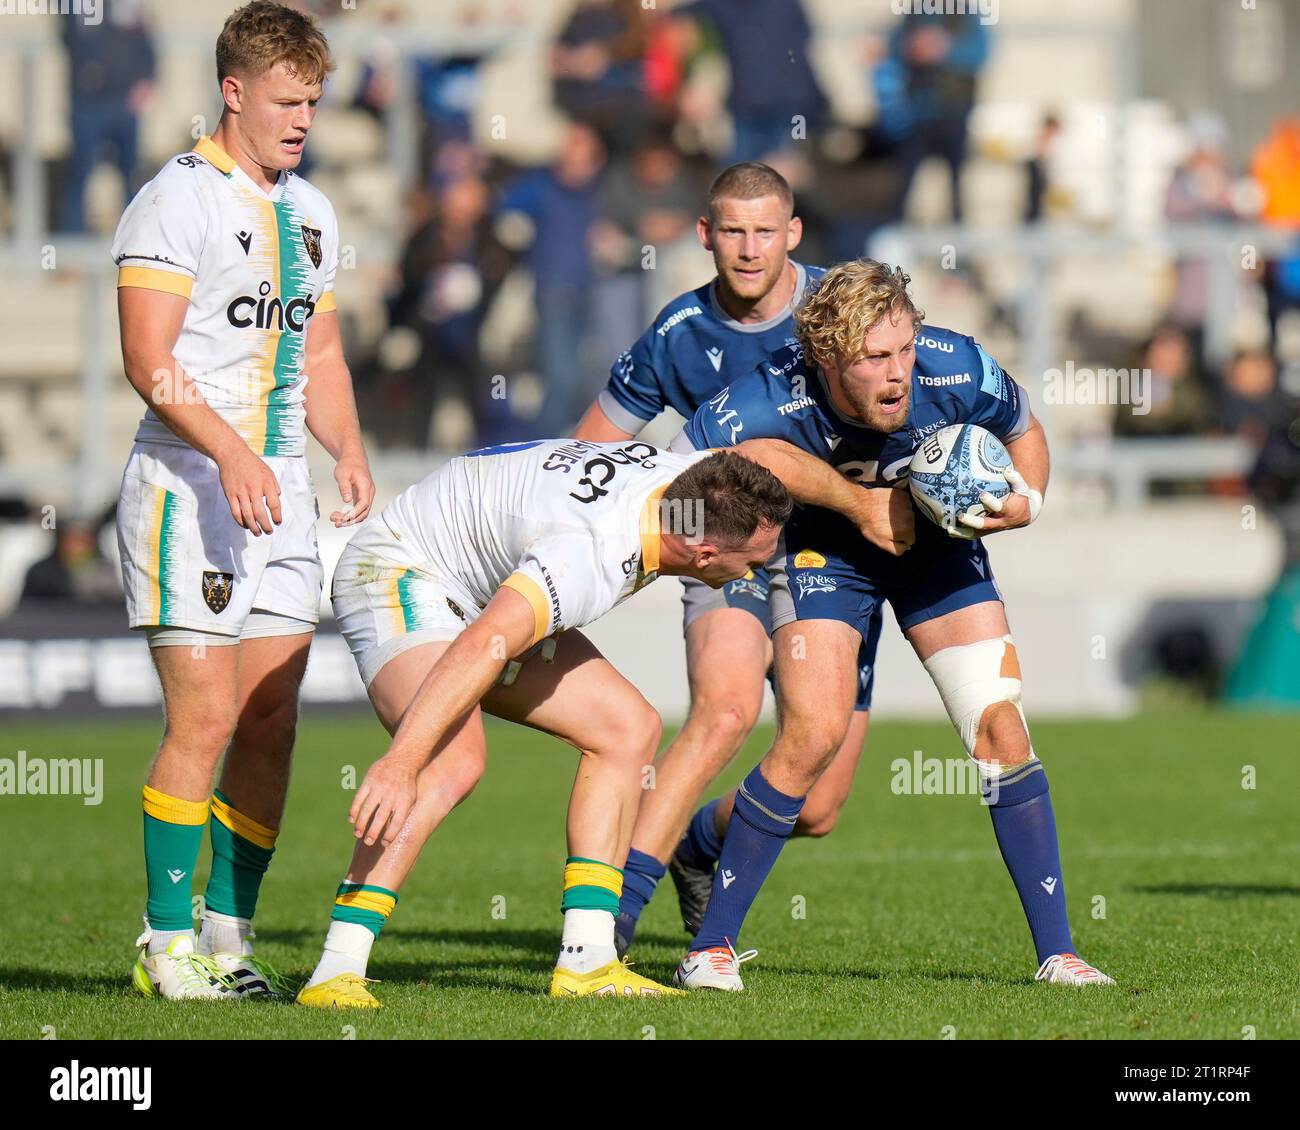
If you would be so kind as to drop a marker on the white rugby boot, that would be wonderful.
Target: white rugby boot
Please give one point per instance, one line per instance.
(715, 968)
(1070, 969)
(178, 973)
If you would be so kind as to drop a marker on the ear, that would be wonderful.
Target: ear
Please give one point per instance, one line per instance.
(704, 230)
(793, 233)
(232, 93)
(705, 554)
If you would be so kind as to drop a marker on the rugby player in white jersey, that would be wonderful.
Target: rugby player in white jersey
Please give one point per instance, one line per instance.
(499, 555)
(226, 266)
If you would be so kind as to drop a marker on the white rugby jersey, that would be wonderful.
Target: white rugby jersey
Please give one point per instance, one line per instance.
(255, 267)
(571, 525)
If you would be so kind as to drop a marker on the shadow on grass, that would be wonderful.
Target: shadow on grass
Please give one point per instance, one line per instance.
(15, 978)
(1222, 890)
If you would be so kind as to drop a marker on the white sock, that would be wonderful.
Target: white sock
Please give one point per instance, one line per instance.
(159, 940)
(224, 933)
(588, 941)
(347, 950)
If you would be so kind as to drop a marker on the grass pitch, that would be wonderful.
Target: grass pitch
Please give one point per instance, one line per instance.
(902, 924)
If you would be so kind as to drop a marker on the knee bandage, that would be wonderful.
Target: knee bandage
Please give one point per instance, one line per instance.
(973, 677)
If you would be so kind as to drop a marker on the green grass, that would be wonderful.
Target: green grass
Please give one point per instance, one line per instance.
(911, 921)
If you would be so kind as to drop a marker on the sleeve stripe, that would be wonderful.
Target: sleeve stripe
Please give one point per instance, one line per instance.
(150, 278)
(325, 304)
(1021, 423)
(529, 589)
(618, 414)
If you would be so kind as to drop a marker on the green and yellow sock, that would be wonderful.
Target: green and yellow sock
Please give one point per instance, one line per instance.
(363, 905)
(591, 885)
(173, 832)
(591, 893)
(360, 911)
(241, 853)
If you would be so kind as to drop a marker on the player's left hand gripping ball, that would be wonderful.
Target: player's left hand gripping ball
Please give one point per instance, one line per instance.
(1019, 508)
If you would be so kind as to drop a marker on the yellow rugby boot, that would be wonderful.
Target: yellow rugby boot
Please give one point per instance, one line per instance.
(347, 990)
(613, 980)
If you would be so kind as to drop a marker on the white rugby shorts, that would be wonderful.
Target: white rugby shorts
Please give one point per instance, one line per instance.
(186, 562)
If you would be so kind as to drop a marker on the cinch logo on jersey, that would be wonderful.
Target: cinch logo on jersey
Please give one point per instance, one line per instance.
(942, 382)
(272, 315)
(680, 316)
(75, 1083)
(810, 583)
(565, 457)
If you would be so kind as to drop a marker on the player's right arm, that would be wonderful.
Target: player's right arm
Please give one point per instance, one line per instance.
(150, 324)
(883, 517)
(598, 427)
(747, 414)
(632, 398)
(455, 684)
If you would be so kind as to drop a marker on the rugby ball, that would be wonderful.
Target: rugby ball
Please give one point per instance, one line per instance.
(951, 469)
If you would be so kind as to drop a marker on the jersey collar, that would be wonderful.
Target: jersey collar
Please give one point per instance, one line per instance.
(225, 164)
(650, 532)
(800, 282)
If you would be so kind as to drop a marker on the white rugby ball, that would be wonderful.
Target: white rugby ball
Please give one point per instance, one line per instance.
(952, 468)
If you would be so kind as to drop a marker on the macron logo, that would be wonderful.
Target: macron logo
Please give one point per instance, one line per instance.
(175, 876)
(1048, 884)
(727, 879)
(715, 355)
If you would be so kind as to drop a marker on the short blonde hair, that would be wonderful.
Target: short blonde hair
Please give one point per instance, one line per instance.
(259, 35)
(834, 319)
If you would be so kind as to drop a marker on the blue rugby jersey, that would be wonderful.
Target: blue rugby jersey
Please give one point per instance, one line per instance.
(691, 350)
(954, 381)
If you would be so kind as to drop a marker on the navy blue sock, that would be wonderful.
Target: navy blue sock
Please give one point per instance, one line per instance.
(702, 843)
(760, 824)
(641, 874)
(1026, 830)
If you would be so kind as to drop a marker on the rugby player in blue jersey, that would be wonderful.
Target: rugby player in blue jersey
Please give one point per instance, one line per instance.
(864, 385)
(696, 346)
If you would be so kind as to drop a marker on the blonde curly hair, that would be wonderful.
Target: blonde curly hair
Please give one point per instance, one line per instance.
(834, 319)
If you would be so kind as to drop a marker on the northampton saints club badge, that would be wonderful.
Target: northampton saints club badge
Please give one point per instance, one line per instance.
(217, 588)
(311, 241)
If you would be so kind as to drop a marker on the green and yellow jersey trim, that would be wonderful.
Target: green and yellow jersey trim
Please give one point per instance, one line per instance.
(150, 278)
